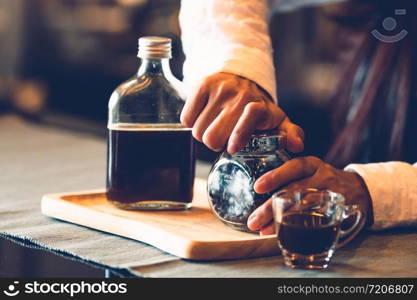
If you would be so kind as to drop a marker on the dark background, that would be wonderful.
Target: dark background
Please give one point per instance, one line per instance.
(61, 59)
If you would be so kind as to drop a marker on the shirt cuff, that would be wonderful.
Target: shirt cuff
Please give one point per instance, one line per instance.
(252, 64)
(393, 190)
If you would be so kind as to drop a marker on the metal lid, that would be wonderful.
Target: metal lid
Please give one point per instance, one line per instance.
(264, 141)
(154, 47)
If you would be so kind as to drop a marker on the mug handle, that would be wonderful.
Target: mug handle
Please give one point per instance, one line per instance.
(352, 210)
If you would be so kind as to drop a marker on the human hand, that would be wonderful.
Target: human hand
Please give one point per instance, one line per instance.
(308, 172)
(228, 108)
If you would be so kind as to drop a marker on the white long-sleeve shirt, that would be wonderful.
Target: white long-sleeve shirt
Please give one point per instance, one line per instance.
(226, 36)
(232, 36)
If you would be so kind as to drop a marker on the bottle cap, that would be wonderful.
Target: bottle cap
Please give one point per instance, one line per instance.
(265, 141)
(154, 47)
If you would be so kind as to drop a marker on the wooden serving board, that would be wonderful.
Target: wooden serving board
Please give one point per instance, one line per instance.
(192, 234)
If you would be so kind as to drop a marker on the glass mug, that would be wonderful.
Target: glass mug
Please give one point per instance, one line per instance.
(309, 225)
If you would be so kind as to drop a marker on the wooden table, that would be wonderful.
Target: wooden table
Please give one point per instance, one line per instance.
(36, 159)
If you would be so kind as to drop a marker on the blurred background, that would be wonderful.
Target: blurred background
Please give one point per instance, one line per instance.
(61, 59)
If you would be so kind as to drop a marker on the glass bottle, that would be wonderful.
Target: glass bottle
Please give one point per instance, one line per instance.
(151, 159)
(230, 181)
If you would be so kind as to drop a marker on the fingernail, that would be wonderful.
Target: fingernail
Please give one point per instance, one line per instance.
(253, 223)
(258, 184)
(232, 148)
(253, 215)
(267, 231)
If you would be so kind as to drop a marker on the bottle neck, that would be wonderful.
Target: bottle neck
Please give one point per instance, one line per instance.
(154, 66)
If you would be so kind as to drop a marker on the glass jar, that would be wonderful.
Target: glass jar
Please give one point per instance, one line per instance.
(231, 179)
(151, 159)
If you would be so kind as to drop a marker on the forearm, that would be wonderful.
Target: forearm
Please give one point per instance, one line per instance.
(227, 36)
(393, 190)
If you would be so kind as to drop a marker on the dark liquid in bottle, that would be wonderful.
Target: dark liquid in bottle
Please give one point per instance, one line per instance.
(156, 164)
(307, 233)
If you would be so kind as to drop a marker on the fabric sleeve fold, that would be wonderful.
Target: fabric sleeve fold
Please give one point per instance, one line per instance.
(226, 36)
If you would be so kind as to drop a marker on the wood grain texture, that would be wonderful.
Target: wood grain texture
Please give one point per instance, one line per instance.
(192, 234)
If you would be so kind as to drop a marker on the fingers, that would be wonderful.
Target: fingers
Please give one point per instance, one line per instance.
(261, 217)
(211, 120)
(245, 126)
(256, 115)
(295, 136)
(268, 229)
(206, 117)
(194, 106)
(264, 115)
(301, 169)
(294, 169)
(229, 107)
(218, 132)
